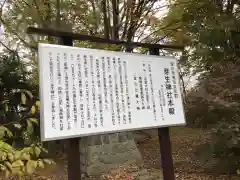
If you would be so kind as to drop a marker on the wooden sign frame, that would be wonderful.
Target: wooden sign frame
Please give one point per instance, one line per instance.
(74, 143)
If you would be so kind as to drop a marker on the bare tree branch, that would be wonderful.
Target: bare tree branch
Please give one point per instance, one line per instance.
(6, 47)
(105, 19)
(95, 16)
(115, 19)
(40, 14)
(17, 35)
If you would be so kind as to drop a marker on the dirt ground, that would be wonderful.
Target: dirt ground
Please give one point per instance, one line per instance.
(184, 144)
(185, 141)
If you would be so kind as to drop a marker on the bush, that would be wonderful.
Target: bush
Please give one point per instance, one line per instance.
(20, 146)
(218, 107)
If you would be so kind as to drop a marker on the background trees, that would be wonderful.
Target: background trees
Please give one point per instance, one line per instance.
(20, 146)
(209, 30)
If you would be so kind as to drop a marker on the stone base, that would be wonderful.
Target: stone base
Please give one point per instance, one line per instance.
(102, 153)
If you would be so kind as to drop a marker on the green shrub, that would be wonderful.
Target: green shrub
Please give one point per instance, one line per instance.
(20, 146)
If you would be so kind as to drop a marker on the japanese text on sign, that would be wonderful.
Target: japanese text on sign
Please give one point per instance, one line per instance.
(87, 91)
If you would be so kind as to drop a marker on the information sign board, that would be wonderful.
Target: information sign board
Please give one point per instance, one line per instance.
(88, 91)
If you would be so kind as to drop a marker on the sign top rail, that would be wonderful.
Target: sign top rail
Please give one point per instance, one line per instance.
(81, 37)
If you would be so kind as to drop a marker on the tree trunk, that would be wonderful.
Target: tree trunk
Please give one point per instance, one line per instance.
(95, 17)
(115, 19)
(105, 19)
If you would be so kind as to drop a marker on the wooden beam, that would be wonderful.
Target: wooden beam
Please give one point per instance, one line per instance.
(81, 37)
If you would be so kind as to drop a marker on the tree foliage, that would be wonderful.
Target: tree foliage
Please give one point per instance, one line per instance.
(113, 19)
(210, 31)
(20, 147)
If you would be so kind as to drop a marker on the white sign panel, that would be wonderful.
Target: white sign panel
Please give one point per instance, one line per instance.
(89, 91)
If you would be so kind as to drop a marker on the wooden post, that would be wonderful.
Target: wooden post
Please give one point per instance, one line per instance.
(166, 153)
(73, 148)
(165, 143)
(74, 169)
